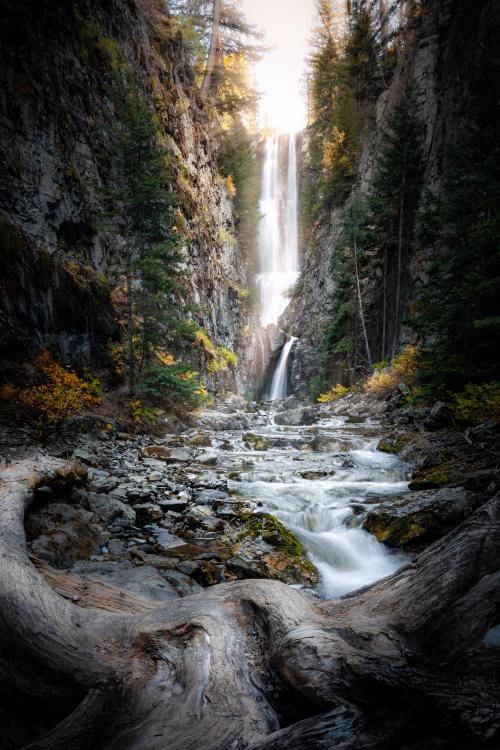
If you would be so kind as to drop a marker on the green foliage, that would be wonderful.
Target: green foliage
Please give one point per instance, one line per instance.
(379, 226)
(239, 160)
(175, 385)
(477, 403)
(343, 85)
(142, 207)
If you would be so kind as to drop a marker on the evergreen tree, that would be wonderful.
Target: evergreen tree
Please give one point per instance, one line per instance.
(393, 198)
(143, 205)
(458, 312)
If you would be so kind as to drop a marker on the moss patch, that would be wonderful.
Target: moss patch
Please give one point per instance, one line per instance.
(430, 479)
(255, 442)
(267, 527)
(393, 443)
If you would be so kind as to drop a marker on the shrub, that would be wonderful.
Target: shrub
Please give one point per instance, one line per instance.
(220, 359)
(477, 403)
(335, 393)
(402, 369)
(59, 394)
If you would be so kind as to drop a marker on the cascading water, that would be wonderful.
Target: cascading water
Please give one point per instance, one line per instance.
(278, 232)
(278, 243)
(279, 385)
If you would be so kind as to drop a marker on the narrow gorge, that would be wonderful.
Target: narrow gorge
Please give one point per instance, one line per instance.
(249, 375)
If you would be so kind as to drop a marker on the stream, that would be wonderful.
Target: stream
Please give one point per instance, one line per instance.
(320, 481)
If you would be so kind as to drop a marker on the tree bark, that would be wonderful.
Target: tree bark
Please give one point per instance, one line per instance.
(130, 336)
(360, 304)
(213, 49)
(400, 261)
(254, 663)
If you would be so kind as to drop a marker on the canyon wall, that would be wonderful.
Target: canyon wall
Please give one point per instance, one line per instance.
(447, 49)
(57, 108)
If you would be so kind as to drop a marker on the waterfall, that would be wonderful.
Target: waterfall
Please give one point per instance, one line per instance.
(279, 385)
(278, 233)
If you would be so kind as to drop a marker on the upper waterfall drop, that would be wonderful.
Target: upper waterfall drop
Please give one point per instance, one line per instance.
(278, 230)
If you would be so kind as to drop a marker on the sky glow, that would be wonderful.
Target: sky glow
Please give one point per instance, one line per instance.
(287, 25)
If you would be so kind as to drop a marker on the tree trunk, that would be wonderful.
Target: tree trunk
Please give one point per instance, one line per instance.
(360, 302)
(384, 307)
(254, 663)
(399, 271)
(130, 336)
(213, 49)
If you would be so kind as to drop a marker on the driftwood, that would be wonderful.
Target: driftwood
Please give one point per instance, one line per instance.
(252, 664)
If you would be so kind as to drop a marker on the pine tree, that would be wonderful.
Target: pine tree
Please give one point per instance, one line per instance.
(393, 199)
(143, 204)
(458, 313)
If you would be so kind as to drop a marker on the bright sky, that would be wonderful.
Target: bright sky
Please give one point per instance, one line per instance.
(287, 25)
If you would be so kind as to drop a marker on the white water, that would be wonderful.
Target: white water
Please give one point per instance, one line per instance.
(325, 512)
(279, 385)
(278, 232)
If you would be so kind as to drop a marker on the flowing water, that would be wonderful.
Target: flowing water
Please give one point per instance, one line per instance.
(278, 233)
(320, 482)
(279, 384)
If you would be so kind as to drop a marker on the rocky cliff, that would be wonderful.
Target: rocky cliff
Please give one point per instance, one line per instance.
(447, 49)
(57, 106)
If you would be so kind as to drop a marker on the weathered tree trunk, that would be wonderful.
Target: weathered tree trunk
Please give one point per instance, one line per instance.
(360, 304)
(213, 49)
(255, 663)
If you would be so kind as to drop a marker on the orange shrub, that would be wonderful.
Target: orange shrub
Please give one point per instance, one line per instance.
(402, 369)
(61, 393)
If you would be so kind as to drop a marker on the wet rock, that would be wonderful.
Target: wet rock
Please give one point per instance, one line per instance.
(314, 475)
(60, 534)
(147, 513)
(266, 549)
(255, 442)
(208, 459)
(157, 451)
(200, 440)
(420, 517)
(85, 456)
(211, 497)
(180, 455)
(143, 580)
(303, 416)
(176, 505)
(108, 508)
(182, 583)
(218, 421)
(439, 417)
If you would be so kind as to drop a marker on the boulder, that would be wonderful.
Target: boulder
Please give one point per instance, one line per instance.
(157, 451)
(439, 417)
(305, 415)
(420, 517)
(211, 497)
(107, 508)
(60, 534)
(147, 513)
(255, 442)
(143, 580)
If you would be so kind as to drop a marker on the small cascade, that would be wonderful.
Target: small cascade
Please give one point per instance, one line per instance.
(279, 385)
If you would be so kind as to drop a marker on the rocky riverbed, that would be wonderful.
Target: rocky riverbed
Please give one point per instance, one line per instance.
(318, 497)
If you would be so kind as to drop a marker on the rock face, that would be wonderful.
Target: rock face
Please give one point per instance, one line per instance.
(56, 121)
(443, 57)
